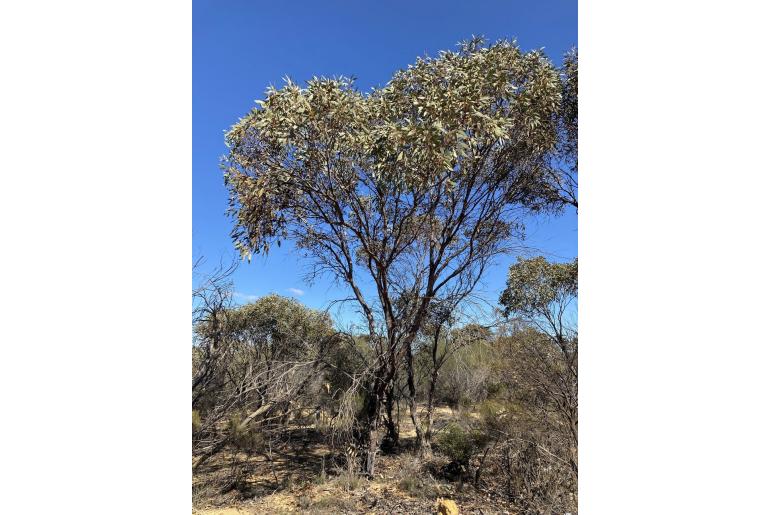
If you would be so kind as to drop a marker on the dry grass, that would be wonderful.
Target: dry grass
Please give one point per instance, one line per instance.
(302, 478)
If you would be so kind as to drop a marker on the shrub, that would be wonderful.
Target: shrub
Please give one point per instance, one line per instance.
(333, 504)
(348, 480)
(412, 480)
(536, 482)
(497, 416)
(459, 444)
(419, 487)
(321, 478)
(409, 484)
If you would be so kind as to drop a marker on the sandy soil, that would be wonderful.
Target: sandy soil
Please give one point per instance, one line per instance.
(291, 482)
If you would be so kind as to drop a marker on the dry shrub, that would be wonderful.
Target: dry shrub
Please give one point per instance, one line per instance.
(537, 480)
(321, 478)
(415, 481)
(304, 502)
(349, 481)
(203, 491)
(333, 504)
(348, 477)
(460, 444)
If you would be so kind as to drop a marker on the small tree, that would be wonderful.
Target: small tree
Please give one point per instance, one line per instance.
(411, 189)
(212, 300)
(276, 353)
(436, 325)
(541, 293)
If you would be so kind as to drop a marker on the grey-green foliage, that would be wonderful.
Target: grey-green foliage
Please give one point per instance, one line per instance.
(272, 333)
(541, 292)
(460, 444)
(277, 327)
(568, 114)
(535, 287)
(268, 368)
(465, 371)
(482, 116)
(414, 186)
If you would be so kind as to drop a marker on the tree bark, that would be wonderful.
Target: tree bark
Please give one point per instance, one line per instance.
(391, 424)
(432, 390)
(369, 437)
(420, 440)
(428, 438)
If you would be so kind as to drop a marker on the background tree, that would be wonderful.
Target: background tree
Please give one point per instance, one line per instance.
(212, 300)
(276, 351)
(466, 366)
(436, 346)
(411, 189)
(541, 293)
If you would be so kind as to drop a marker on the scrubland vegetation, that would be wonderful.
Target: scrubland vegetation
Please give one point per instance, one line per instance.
(405, 196)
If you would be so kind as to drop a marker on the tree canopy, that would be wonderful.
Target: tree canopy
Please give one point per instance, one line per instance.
(419, 183)
(413, 187)
(535, 286)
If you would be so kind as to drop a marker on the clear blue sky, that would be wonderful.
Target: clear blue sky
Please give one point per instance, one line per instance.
(241, 47)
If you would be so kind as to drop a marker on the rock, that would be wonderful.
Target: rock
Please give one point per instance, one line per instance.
(447, 507)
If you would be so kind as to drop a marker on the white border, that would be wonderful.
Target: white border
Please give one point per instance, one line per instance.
(96, 214)
(95, 210)
(673, 257)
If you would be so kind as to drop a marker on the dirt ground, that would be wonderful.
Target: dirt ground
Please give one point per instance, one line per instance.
(304, 478)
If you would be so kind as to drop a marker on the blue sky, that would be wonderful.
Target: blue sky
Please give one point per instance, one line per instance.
(241, 47)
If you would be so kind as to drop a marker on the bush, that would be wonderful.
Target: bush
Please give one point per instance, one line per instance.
(333, 504)
(304, 502)
(419, 487)
(413, 481)
(498, 416)
(348, 480)
(536, 482)
(460, 445)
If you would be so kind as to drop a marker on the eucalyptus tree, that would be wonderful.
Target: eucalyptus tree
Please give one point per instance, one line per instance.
(408, 190)
(212, 300)
(440, 343)
(276, 353)
(543, 294)
(561, 174)
(568, 120)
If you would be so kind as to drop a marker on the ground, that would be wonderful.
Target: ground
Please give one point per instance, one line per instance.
(304, 478)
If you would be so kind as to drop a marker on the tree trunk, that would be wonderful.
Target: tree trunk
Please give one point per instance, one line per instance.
(391, 438)
(432, 391)
(370, 438)
(371, 449)
(420, 440)
(428, 439)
